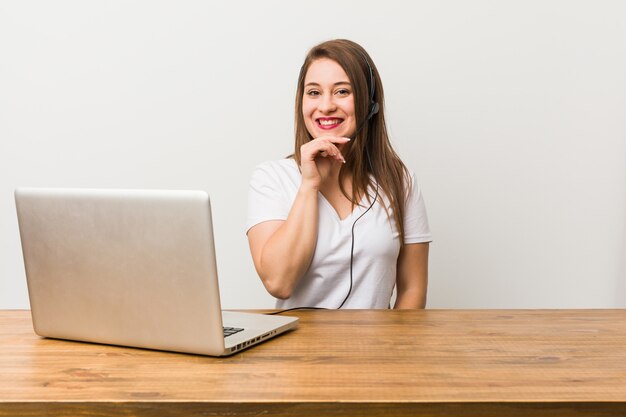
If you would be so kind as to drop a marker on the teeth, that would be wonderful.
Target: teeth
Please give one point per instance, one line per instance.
(329, 122)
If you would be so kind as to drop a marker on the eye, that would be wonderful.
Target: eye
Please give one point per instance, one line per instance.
(343, 92)
(312, 93)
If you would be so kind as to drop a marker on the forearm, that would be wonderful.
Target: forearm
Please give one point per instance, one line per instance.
(287, 254)
(410, 299)
(412, 276)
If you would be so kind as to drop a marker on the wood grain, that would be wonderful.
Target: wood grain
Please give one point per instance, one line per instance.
(359, 362)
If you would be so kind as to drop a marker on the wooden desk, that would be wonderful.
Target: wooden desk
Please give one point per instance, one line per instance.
(361, 363)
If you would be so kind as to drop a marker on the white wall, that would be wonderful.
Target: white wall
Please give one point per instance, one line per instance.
(513, 115)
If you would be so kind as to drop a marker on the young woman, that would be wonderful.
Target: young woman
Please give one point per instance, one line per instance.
(342, 221)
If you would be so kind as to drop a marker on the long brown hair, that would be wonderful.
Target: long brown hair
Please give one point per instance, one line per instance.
(371, 144)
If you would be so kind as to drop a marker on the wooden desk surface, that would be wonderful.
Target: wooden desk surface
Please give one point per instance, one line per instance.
(365, 363)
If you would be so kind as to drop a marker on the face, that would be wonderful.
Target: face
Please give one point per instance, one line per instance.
(328, 100)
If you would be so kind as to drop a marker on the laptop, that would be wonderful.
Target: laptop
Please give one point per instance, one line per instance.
(132, 268)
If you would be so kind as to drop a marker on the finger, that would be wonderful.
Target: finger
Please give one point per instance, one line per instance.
(338, 141)
(323, 147)
(334, 153)
(332, 139)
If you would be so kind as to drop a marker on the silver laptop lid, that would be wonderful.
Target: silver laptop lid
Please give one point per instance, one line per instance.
(126, 267)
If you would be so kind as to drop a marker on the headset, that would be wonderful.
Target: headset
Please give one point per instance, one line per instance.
(373, 109)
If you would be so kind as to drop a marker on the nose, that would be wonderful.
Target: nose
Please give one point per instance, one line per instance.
(327, 104)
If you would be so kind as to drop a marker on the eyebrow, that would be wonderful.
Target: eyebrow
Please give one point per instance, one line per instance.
(335, 84)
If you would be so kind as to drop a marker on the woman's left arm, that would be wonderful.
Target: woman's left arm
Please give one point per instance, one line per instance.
(412, 276)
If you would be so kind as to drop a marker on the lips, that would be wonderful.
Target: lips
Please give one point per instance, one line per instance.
(328, 123)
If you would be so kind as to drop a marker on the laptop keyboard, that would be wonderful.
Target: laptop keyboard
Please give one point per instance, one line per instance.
(229, 331)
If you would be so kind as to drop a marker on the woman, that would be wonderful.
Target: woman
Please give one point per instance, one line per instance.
(342, 221)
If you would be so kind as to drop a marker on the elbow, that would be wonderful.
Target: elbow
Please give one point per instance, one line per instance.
(280, 294)
(279, 283)
(278, 289)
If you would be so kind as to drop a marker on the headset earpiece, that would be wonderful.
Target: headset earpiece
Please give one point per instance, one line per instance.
(373, 110)
(374, 107)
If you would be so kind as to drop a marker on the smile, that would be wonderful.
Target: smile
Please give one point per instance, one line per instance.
(329, 122)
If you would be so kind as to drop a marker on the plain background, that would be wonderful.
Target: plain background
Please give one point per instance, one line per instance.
(511, 113)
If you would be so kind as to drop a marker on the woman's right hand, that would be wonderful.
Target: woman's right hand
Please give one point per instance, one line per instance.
(318, 157)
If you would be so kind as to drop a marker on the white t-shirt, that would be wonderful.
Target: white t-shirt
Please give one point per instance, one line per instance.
(326, 283)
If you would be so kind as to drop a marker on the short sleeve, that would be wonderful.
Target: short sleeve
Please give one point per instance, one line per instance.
(267, 199)
(416, 227)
